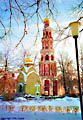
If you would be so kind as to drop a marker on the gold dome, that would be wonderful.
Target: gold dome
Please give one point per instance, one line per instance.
(28, 60)
(46, 20)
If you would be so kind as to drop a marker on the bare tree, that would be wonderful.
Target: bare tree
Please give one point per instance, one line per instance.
(66, 68)
(24, 12)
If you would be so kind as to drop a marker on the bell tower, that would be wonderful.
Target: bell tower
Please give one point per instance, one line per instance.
(47, 64)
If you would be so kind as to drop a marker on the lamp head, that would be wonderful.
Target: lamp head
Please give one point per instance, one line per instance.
(75, 28)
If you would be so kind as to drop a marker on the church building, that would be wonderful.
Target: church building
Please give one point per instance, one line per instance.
(28, 79)
(47, 64)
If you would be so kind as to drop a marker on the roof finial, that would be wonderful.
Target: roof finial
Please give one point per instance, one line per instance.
(46, 20)
(28, 53)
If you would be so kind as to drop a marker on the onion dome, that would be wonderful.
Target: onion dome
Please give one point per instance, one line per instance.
(47, 20)
(28, 61)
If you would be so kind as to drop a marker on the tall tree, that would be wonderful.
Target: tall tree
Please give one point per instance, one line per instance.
(65, 66)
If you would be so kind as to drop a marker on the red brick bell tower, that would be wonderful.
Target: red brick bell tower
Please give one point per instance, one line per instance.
(47, 64)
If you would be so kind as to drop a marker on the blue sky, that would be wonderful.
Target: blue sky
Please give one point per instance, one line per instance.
(64, 17)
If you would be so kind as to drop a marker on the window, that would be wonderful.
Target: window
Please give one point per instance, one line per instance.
(46, 33)
(41, 58)
(43, 33)
(21, 87)
(14, 91)
(46, 87)
(43, 44)
(46, 47)
(52, 57)
(46, 57)
(12, 74)
(46, 44)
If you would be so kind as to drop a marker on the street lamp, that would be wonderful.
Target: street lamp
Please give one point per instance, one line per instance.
(75, 27)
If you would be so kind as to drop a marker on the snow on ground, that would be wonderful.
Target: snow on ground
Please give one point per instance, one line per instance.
(18, 113)
(19, 99)
(40, 116)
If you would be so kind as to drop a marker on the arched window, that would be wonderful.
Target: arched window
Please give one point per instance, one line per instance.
(21, 87)
(43, 45)
(43, 33)
(46, 87)
(46, 33)
(14, 91)
(41, 58)
(46, 57)
(52, 57)
(46, 44)
(12, 74)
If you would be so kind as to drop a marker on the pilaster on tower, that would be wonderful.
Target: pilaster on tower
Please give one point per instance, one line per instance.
(47, 64)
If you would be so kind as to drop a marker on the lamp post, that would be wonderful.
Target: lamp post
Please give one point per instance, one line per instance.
(37, 90)
(82, 67)
(74, 27)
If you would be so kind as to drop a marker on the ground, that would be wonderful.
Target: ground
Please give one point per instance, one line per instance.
(20, 113)
(40, 116)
